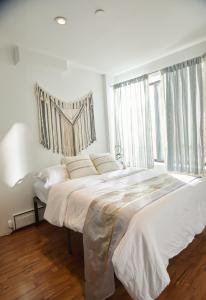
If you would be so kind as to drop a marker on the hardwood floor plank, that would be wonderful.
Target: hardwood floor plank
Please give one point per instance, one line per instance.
(35, 265)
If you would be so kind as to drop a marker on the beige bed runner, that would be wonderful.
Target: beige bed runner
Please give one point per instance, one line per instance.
(107, 220)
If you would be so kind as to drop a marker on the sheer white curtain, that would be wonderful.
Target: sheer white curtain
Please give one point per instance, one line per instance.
(184, 104)
(133, 127)
(204, 103)
(158, 121)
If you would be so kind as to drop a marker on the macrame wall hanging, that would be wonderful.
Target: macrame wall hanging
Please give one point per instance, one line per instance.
(65, 127)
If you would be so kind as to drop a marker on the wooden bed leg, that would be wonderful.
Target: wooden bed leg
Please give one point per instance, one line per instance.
(69, 241)
(36, 210)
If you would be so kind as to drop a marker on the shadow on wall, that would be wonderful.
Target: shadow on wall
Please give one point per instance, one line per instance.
(16, 156)
(14, 200)
(20, 157)
(16, 179)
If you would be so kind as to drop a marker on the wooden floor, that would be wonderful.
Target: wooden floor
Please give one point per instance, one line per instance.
(34, 264)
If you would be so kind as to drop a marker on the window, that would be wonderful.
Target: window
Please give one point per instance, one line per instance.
(139, 121)
(157, 116)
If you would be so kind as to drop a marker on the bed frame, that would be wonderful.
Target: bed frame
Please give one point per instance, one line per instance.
(38, 203)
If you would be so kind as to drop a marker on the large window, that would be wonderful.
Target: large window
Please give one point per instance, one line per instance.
(139, 121)
(157, 116)
(133, 126)
(160, 117)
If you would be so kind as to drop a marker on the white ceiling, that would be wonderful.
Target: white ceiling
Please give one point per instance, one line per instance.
(131, 33)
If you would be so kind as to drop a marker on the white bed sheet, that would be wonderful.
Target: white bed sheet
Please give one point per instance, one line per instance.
(155, 234)
(41, 191)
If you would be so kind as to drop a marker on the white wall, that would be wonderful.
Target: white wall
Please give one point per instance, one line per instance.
(20, 152)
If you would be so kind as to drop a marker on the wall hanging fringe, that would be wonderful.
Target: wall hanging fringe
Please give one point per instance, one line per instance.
(65, 127)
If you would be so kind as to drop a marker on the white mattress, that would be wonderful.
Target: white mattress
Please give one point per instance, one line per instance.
(40, 191)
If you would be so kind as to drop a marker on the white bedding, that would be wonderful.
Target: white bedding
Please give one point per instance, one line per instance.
(155, 234)
(41, 191)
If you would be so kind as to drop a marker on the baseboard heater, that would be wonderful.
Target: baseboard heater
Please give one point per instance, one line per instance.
(26, 218)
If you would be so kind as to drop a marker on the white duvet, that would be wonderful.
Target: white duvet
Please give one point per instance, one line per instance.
(155, 234)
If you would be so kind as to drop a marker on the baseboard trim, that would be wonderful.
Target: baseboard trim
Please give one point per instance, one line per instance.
(5, 233)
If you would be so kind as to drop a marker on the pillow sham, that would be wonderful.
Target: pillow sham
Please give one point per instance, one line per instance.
(79, 166)
(53, 175)
(104, 163)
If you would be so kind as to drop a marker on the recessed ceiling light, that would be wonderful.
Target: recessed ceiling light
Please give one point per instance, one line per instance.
(61, 20)
(99, 12)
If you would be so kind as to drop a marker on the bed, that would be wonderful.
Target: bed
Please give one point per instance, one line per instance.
(165, 222)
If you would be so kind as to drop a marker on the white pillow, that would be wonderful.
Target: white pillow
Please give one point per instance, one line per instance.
(79, 166)
(104, 163)
(53, 175)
